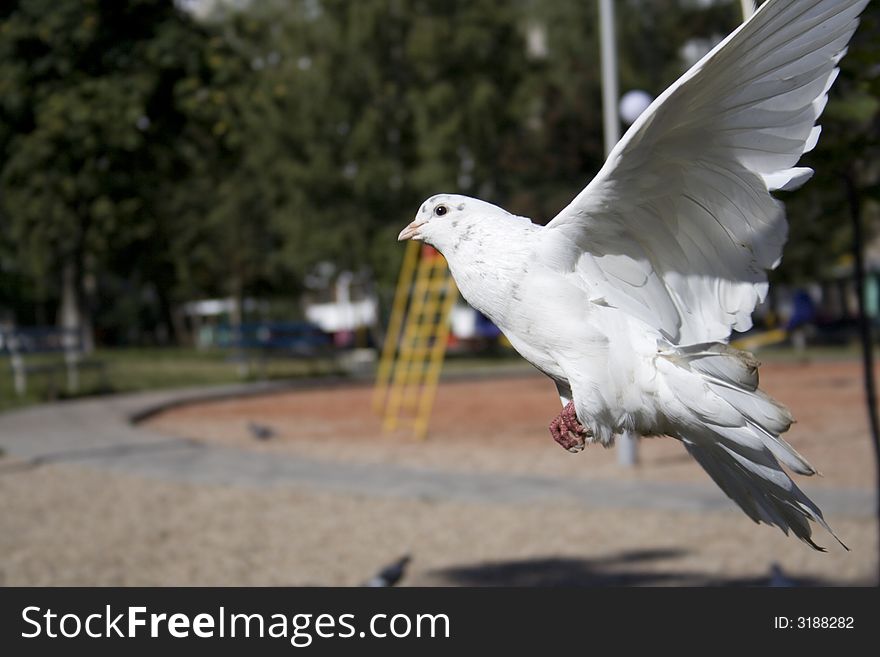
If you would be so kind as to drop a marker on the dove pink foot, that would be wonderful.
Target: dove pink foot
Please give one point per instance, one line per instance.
(568, 431)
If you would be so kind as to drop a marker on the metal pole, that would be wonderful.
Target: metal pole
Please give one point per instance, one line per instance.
(627, 443)
(748, 8)
(865, 330)
(610, 94)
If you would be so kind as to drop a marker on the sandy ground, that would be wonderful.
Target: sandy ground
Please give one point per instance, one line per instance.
(63, 525)
(67, 524)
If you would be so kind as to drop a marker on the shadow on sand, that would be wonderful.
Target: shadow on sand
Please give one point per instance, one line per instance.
(624, 569)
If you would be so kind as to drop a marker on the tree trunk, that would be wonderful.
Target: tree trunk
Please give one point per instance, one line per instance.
(88, 292)
(236, 313)
(172, 316)
(69, 314)
(73, 315)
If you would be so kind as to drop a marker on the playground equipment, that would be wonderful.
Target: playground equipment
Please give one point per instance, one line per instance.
(415, 343)
(759, 340)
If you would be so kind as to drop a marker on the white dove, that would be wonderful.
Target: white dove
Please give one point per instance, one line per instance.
(627, 298)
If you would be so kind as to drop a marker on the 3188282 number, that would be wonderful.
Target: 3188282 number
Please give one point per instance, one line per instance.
(824, 622)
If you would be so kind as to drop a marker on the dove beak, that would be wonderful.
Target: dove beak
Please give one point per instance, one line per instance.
(411, 232)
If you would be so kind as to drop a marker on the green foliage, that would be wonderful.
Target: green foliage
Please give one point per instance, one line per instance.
(169, 159)
(86, 110)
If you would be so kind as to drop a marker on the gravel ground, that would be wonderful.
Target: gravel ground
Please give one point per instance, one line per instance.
(68, 524)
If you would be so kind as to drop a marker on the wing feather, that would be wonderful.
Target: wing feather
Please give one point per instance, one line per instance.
(679, 227)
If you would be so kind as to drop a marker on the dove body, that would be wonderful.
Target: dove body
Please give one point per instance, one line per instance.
(513, 271)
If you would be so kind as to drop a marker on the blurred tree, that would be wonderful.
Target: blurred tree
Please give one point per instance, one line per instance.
(218, 215)
(88, 127)
(351, 115)
(389, 101)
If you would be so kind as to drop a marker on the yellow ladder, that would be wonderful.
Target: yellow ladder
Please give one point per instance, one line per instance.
(758, 340)
(415, 344)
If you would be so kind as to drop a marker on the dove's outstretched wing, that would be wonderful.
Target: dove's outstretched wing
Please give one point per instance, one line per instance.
(679, 227)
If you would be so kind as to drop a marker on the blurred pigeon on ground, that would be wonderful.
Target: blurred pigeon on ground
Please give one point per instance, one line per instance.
(390, 574)
(260, 431)
(627, 299)
(778, 579)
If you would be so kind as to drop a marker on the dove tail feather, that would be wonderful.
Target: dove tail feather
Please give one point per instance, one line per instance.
(764, 492)
(734, 434)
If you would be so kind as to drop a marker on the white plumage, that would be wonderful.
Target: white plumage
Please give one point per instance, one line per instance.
(626, 299)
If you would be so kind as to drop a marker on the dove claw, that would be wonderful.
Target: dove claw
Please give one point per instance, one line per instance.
(568, 431)
(577, 443)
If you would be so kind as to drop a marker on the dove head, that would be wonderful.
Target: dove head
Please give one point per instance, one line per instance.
(446, 221)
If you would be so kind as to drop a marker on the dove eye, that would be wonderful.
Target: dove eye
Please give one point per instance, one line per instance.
(440, 210)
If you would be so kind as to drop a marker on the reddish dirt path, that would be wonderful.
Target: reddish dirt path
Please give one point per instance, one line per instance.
(501, 425)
